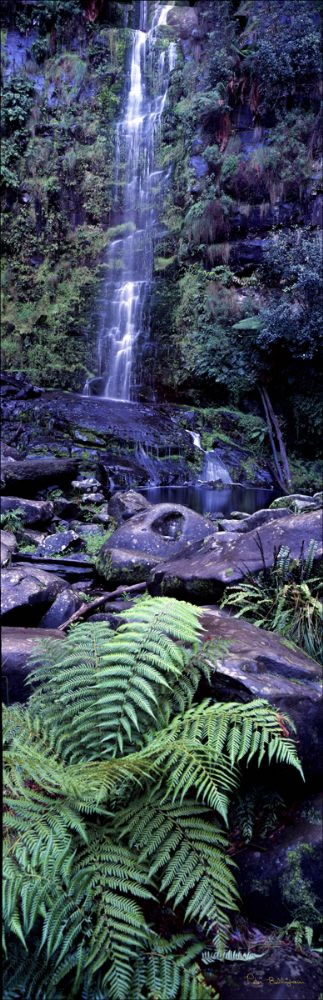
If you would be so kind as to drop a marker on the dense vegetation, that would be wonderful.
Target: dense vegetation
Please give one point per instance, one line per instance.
(117, 787)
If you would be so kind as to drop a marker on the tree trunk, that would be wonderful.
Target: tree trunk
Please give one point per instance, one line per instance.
(279, 453)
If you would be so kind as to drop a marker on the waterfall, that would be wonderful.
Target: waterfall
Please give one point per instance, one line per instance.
(214, 469)
(196, 439)
(129, 258)
(148, 464)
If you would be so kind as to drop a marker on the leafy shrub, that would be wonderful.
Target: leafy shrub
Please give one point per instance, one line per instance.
(284, 599)
(17, 99)
(117, 788)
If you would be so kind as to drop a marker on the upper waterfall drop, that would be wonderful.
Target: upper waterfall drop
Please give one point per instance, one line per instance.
(129, 258)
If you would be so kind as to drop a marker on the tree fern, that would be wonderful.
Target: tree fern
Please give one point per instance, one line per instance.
(107, 685)
(112, 799)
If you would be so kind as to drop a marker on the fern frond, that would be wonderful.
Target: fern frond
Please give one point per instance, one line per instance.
(188, 853)
(100, 689)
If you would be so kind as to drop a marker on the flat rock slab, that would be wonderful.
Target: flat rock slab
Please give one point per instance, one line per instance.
(260, 664)
(32, 474)
(32, 512)
(26, 591)
(17, 646)
(227, 558)
(139, 422)
(162, 530)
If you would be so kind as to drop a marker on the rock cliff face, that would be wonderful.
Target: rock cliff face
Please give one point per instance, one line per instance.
(236, 290)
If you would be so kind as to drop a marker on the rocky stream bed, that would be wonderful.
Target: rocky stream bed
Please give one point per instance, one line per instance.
(73, 544)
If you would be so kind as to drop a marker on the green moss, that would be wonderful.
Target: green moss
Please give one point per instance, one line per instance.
(298, 894)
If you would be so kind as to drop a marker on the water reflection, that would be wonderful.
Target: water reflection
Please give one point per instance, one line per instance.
(212, 501)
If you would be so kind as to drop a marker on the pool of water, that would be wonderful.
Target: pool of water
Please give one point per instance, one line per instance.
(205, 500)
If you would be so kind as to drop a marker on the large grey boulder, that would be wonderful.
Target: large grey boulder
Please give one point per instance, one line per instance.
(8, 546)
(260, 664)
(226, 558)
(160, 531)
(17, 646)
(31, 512)
(26, 592)
(122, 506)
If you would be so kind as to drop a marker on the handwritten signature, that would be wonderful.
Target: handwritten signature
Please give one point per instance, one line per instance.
(251, 979)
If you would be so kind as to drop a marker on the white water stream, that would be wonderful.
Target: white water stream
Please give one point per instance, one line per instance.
(213, 467)
(129, 259)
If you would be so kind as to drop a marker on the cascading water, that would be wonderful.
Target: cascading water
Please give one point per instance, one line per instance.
(129, 259)
(214, 469)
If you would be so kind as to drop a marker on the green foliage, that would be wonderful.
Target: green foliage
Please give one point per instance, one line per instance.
(58, 157)
(17, 99)
(300, 933)
(284, 599)
(112, 798)
(93, 542)
(297, 891)
(284, 55)
(255, 813)
(12, 520)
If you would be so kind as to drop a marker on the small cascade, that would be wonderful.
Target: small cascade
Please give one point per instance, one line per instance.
(148, 463)
(129, 258)
(196, 439)
(214, 469)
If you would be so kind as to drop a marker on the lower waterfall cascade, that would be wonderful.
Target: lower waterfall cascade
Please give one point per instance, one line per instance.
(129, 258)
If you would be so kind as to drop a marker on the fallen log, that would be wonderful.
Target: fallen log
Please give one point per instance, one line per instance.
(86, 609)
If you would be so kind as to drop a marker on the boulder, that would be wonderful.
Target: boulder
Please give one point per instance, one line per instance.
(61, 610)
(8, 546)
(26, 592)
(32, 512)
(66, 508)
(122, 506)
(30, 536)
(260, 664)
(124, 565)
(92, 498)
(254, 520)
(184, 21)
(239, 515)
(281, 971)
(89, 485)
(290, 500)
(17, 646)
(30, 475)
(227, 558)
(229, 524)
(287, 876)
(160, 531)
(60, 542)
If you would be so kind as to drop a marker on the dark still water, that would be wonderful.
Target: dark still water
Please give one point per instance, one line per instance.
(210, 501)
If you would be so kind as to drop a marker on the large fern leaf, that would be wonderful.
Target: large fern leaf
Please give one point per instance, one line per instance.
(102, 689)
(189, 854)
